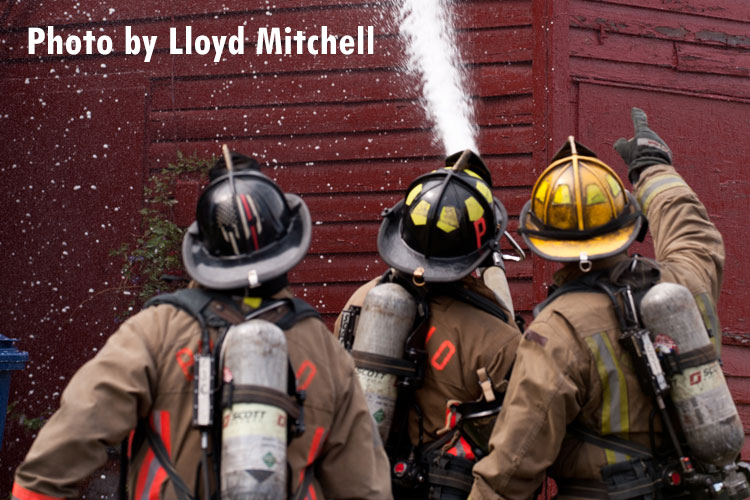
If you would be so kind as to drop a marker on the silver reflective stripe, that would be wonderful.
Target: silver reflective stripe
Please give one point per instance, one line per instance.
(615, 413)
(154, 466)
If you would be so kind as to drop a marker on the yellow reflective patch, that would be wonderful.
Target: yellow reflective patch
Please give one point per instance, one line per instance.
(448, 220)
(485, 190)
(541, 192)
(614, 186)
(419, 213)
(594, 195)
(562, 195)
(474, 208)
(413, 194)
(473, 174)
(253, 302)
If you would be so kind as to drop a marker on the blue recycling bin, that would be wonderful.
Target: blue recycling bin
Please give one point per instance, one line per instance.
(10, 359)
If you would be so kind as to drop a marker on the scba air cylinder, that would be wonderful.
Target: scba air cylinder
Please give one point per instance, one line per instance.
(386, 320)
(700, 394)
(254, 435)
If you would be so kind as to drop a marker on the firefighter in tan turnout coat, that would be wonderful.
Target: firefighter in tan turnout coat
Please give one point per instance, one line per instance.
(246, 229)
(448, 225)
(570, 370)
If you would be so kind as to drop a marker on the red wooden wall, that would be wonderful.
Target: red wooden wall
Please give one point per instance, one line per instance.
(81, 133)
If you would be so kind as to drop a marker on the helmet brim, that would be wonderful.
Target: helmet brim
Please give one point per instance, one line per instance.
(400, 256)
(272, 261)
(597, 247)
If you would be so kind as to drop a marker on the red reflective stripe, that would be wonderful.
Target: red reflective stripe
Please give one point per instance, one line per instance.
(468, 452)
(22, 493)
(165, 431)
(249, 215)
(450, 417)
(166, 436)
(429, 334)
(314, 448)
(308, 367)
(143, 474)
(446, 351)
(311, 493)
(130, 443)
(159, 478)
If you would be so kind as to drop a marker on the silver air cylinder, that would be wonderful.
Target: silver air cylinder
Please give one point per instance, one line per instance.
(700, 394)
(495, 279)
(386, 320)
(253, 438)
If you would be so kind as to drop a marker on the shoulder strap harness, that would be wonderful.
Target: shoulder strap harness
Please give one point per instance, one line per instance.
(216, 310)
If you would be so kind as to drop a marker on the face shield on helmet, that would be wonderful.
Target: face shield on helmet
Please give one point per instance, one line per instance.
(247, 232)
(579, 210)
(446, 226)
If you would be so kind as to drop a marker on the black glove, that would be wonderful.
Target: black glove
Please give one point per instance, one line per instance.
(644, 149)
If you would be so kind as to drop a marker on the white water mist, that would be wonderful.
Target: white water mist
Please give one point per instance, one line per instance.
(427, 28)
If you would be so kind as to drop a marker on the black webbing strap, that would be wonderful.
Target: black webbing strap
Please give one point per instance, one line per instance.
(160, 452)
(122, 483)
(383, 364)
(642, 488)
(582, 488)
(472, 298)
(613, 443)
(437, 476)
(697, 357)
(259, 394)
(307, 480)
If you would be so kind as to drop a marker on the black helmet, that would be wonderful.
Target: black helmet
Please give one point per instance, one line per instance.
(247, 232)
(447, 225)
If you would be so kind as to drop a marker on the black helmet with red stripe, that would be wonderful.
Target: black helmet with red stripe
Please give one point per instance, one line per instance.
(247, 232)
(448, 224)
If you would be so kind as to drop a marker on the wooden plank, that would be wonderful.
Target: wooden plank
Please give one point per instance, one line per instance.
(606, 19)
(94, 11)
(715, 61)
(382, 145)
(332, 87)
(375, 176)
(734, 359)
(740, 389)
(471, 15)
(737, 10)
(485, 46)
(621, 48)
(645, 76)
(334, 117)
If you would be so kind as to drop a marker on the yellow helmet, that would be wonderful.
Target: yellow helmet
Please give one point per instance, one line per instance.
(579, 209)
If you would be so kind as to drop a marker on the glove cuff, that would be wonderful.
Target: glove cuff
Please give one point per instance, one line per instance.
(643, 162)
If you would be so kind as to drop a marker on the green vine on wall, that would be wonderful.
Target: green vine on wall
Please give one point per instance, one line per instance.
(155, 253)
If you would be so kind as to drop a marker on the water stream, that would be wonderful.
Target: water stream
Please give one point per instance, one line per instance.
(427, 28)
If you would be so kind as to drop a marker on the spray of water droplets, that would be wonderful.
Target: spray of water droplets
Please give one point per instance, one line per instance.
(426, 26)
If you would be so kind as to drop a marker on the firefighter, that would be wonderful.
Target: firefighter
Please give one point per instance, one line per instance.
(572, 379)
(447, 227)
(247, 236)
